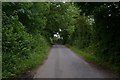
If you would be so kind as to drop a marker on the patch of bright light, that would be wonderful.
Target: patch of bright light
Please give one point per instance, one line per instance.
(58, 5)
(109, 15)
(63, 1)
(59, 29)
(55, 35)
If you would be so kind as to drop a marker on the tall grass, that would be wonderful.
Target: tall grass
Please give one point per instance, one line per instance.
(85, 53)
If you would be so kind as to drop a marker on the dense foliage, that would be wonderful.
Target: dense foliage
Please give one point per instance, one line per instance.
(30, 28)
(22, 37)
(101, 37)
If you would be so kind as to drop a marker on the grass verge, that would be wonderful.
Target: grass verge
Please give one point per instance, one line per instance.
(86, 56)
(26, 65)
(93, 59)
(34, 61)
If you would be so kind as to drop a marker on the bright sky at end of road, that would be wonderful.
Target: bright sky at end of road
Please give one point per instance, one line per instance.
(57, 35)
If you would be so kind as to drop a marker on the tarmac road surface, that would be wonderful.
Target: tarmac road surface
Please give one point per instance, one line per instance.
(64, 63)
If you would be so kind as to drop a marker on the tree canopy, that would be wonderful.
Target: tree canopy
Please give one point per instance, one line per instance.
(30, 27)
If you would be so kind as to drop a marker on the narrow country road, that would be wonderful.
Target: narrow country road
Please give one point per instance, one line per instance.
(63, 63)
